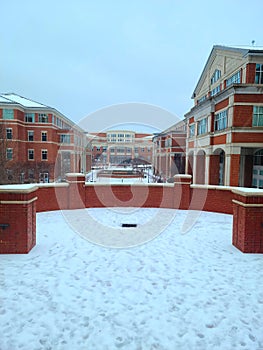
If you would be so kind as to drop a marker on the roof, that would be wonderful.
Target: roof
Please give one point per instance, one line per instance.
(243, 50)
(12, 98)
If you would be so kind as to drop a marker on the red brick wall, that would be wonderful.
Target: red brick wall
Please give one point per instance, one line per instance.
(221, 105)
(234, 169)
(242, 116)
(250, 73)
(218, 140)
(247, 137)
(129, 196)
(249, 98)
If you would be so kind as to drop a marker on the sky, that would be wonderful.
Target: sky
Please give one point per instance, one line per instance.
(84, 56)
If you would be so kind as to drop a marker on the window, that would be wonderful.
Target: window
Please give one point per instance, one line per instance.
(44, 136)
(221, 120)
(168, 142)
(104, 149)
(215, 76)
(30, 136)
(216, 90)
(29, 117)
(44, 154)
(112, 150)
(202, 99)
(64, 138)
(191, 130)
(202, 126)
(8, 114)
(136, 149)
(98, 149)
(42, 118)
(9, 153)
(30, 154)
(259, 74)
(142, 149)
(9, 133)
(234, 79)
(257, 116)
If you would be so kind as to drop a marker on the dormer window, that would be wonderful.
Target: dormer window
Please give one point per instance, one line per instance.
(215, 76)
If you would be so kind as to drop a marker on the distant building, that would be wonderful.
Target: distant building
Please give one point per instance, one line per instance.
(169, 151)
(120, 147)
(225, 127)
(38, 143)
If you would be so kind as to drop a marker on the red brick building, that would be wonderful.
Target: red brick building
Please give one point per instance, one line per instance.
(225, 126)
(38, 143)
(169, 151)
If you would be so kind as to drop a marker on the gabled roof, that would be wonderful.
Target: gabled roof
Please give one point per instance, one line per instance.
(243, 51)
(12, 98)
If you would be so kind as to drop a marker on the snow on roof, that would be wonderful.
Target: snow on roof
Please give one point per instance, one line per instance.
(4, 100)
(25, 102)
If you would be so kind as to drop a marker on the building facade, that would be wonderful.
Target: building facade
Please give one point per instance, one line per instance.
(38, 143)
(120, 147)
(225, 127)
(169, 151)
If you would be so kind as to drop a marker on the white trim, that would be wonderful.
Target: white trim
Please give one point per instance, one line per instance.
(247, 205)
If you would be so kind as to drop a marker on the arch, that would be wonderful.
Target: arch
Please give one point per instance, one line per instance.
(200, 167)
(217, 167)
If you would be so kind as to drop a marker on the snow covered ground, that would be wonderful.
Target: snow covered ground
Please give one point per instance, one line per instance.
(177, 291)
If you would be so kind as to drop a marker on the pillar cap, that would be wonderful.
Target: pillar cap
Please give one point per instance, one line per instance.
(248, 192)
(18, 188)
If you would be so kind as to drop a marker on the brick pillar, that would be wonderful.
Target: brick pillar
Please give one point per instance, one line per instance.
(247, 233)
(182, 191)
(234, 169)
(214, 170)
(17, 218)
(76, 190)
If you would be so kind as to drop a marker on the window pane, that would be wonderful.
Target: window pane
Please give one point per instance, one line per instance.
(8, 114)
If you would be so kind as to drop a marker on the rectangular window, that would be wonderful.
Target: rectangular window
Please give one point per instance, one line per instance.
(216, 90)
(65, 138)
(191, 130)
(202, 99)
(136, 149)
(112, 150)
(8, 114)
(221, 120)
(44, 154)
(29, 117)
(44, 136)
(142, 149)
(259, 74)
(215, 76)
(234, 79)
(257, 116)
(9, 133)
(30, 154)
(9, 153)
(202, 126)
(30, 135)
(42, 118)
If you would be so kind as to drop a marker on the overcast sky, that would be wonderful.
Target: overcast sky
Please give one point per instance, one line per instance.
(84, 55)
